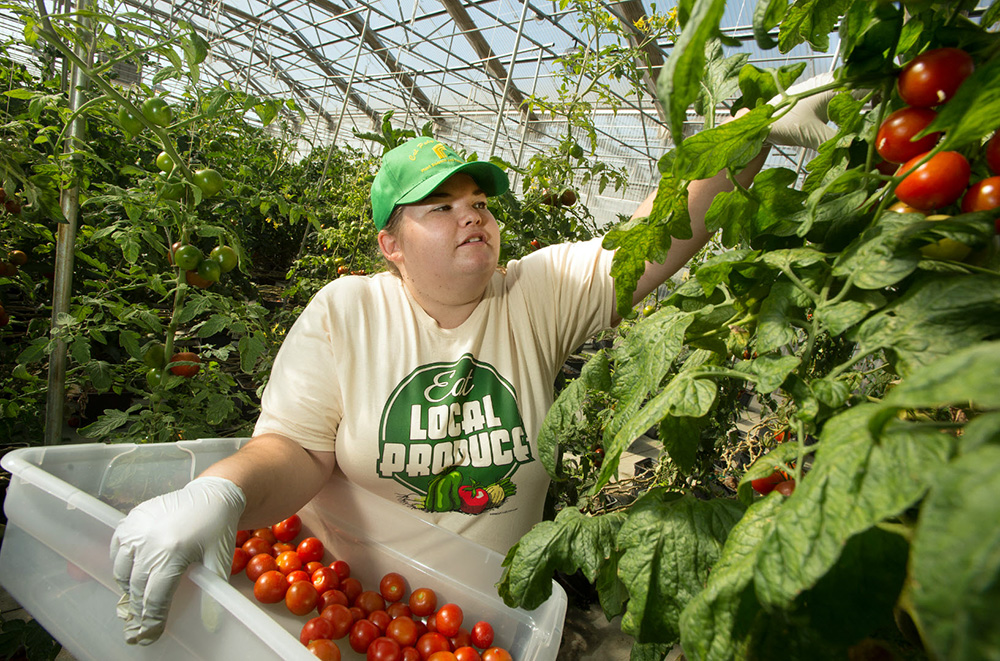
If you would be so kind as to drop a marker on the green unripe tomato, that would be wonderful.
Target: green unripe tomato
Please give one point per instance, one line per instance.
(210, 270)
(155, 355)
(129, 122)
(187, 257)
(648, 310)
(225, 256)
(158, 111)
(154, 377)
(209, 181)
(164, 162)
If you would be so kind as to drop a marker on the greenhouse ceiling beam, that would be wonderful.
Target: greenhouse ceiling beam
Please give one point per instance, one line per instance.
(630, 12)
(490, 61)
(315, 58)
(381, 51)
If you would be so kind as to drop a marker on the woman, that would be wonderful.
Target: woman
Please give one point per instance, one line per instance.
(425, 385)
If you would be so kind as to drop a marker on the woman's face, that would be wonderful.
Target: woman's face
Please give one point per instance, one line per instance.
(448, 240)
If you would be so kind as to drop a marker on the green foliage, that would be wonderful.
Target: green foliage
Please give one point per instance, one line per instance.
(27, 638)
(877, 362)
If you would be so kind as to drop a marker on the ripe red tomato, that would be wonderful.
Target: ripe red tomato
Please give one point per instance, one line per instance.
(786, 488)
(448, 620)
(270, 587)
(342, 568)
(982, 195)
(410, 654)
(392, 587)
(370, 601)
(240, 560)
(331, 597)
(497, 654)
(933, 77)
(317, 627)
(341, 619)
(442, 656)
(311, 567)
(287, 530)
(935, 184)
(363, 633)
(894, 141)
(301, 597)
(357, 613)
(383, 649)
(399, 609)
(403, 630)
(482, 634)
(993, 153)
(432, 642)
(324, 579)
(195, 280)
(260, 564)
(295, 576)
(310, 549)
(265, 534)
(289, 561)
(242, 536)
(467, 654)
(256, 545)
(765, 485)
(461, 639)
(380, 619)
(351, 587)
(325, 650)
(423, 602)
(187, 371)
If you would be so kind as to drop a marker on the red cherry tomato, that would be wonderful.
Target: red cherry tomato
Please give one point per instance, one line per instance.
(482, 634)
(933, 77)
(935, 184)
(341, 619)
(399, 609)
(982, 195)
(325, 650)
(242, 536)
(403, 630)
(411, 654)
(384, 649)
(289, 561)
(461, 639)
(497, 654)
(259, 564)
(311, 567)
(256, 545)
(432, 642)
(324, 579)
(265, 534)
(467, 654)
(287, 530)
(894, 141)
(392, 587)
(331, 597)
(363, 633)
(296, 576)
(281, 547)
(310, 549)
(786, 488)
(370, 601)
(423, 602)
(442, 656)
(765, 485)
(351, 587)
(448, 620)
(993, 153)
(301, 597)
(270, 587)
(342, 568)
(380, 619)
(240, 560)
(317, 627)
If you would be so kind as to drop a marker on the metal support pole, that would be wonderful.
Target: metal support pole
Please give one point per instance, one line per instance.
(350, 81)
(65, 242)
(510, 74)
(524, 130)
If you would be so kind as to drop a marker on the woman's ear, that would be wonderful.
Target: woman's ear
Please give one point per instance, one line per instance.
(390, 246)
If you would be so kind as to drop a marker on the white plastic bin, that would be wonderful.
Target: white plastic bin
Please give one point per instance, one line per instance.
(55, 560)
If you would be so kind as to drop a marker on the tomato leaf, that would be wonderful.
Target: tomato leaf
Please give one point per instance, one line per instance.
(251, 348)
(634, 242)
(774, 328)
(595, 375)
(732, 212)
(955, 566)
(668, 546)
(933, 319)
(810, 21)
(759, 85)
(715, 621)
(856, 481)
(679, 82)
(879, 256)
(730, 145)
(769, 371)
(571, 542)
(680, 436)
(970, 375)
(766, 16)
(972, 112)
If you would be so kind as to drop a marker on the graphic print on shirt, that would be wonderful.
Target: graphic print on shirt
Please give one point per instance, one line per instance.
(453, 435)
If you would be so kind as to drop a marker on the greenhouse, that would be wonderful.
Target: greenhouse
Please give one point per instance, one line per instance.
(488, 331)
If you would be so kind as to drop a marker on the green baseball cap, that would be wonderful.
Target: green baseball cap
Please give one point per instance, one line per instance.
(412, 171)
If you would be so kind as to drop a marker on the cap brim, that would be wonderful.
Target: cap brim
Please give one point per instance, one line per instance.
(491, 179)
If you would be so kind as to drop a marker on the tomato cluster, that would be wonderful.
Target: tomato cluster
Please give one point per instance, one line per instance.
(201, 271)
(383, 623)
(935, 180)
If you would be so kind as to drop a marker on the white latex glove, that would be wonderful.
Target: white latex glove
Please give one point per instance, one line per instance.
(805, 125)
(160, 538)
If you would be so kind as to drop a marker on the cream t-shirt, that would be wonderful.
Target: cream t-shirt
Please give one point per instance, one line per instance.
(442, 421)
